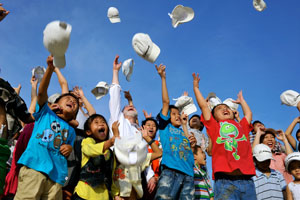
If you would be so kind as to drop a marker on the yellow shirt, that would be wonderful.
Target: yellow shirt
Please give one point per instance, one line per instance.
(90, 148)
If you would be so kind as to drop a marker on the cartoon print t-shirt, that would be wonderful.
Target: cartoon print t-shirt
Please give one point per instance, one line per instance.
(42, 153)
(177, 153)
(231, 148)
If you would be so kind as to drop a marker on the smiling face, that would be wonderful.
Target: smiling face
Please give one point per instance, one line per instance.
(294, 169)
(223, 112)
(269, 140)
(151, 128)
(196, 123)
(130, 111)
(175, 117)
(69, 107)
(98, 129)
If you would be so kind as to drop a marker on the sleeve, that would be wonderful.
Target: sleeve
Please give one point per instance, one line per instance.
(114, 189)
(39, 111)
(147, 162)
(72, 136)
(247, 127)
(23, 140)
(114, 103)
(210, 125)
(90, 148)
(281, 180)
(163, 121)
(149, 173)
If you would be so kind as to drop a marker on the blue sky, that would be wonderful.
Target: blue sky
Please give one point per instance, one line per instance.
(231, 45)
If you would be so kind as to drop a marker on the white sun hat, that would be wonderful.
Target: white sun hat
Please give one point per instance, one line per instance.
(185, 104)
(38, 72)
(290, 98)
(56, 41)
(113, 15)
(259, 5)
(127, 68)
(213, 100)
(291, 157)
(262, 152)
(230, 104)
(181, 14)
(144, 47)
(100, 90)
(53, 98)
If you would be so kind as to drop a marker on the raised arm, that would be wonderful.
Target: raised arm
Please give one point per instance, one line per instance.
(258, 134)
(4, 12)
(116, 69)
(34, 83)
(246, 109)
(157, 152)
(289, 131)
(128, 96)
(281, 136)
(165, 97)
(200, 99)
(42, 93)
(88, 106)
(62, 81)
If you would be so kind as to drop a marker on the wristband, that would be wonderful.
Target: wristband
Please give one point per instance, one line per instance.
(149, 143)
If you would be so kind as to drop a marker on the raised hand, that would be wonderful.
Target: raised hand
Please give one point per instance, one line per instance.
(116, 64)
(33, 81)
(146, 114)
(127, 95)
(280, 135)
(184, 118)
(50, 62)
(115, 129)
(3, 12)
(192, 140)
(185, 93)
(161, 70)
(196, 80)
(240, 98)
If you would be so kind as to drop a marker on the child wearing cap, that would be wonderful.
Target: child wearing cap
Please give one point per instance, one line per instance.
(267, 137)
(203, 189)
(294, 143)
(232, 161)
(269, 183)
(292, 163)
(177, 176)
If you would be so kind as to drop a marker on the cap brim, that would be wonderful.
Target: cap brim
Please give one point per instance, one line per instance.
(114, 20)
(59, 61)
(153, 54)
(263, 158)
(189, 109)
(97, 94)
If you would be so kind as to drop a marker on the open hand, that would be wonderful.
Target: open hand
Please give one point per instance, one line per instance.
(161, 70)
(146, 114)
(116, 64)
(183, 118)
(192, 140)
(196, 80)
(240, 98)
(3, 12)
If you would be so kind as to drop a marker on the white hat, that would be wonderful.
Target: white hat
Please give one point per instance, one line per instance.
(113, 15)
(53, 98)
(185, 104)
(230, 104)
(132, 150)
(290, 98)
(56, 40)
(259, 5)
(144, 47)
(100, 90)
(262, 152)
(38, 72)
(213, 100)
(181, 14)
(127, 68)
(291, 157)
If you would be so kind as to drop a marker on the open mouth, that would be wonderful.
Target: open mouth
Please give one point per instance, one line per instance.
(101, 130)
(69, 105)
(270, 144)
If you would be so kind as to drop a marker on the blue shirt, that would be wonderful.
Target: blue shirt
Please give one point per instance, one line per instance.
(177, 153)
(269, 187)
(42, 153)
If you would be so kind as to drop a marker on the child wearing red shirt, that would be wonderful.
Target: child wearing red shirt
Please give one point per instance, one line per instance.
(232, 160)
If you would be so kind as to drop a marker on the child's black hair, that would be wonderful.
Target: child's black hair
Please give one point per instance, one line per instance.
(150, 119)
(172, 107)
(213, 110)
(88, 122)
(69, 94)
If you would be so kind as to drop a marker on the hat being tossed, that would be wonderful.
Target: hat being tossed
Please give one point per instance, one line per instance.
(181, 14)
(100, 90)
(185, 104)
(113, 15)
(127, 68)
(290, 98)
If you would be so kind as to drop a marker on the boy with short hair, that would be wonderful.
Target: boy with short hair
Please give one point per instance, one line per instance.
(232, 161)
(269, 183)
(203, 189)
(292, 163)
(45, 168)
(177, 177)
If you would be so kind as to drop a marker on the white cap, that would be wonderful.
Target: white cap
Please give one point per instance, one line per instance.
(132, 150)
(259, 5)
(181, 14)
(53, 98)
(290, 98)
(262, 152)
(38, 72)
(144, 47)
(113, 15)
(213, 100)
(127, 68)
(230, 104)
(100, 90)
(291, 157)
(185, 104)
(56, 40)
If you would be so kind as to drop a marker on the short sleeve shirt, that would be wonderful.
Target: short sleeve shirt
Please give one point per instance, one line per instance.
(231, 148)
(177, 153)
(42, 153)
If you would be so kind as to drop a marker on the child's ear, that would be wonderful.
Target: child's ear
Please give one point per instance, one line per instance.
(88, 132)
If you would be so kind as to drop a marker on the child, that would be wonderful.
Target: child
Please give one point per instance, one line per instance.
(293, 142)
(203, 189)
(232, 160)
(44, 168)
(98, 163)
(177, 177)
(292, 163)
(269, 183)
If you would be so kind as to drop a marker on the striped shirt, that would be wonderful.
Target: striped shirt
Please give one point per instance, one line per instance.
(269, 187)
(203, 189)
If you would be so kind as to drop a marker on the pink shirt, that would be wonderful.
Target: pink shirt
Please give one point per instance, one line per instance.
(278, 164)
